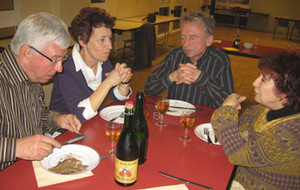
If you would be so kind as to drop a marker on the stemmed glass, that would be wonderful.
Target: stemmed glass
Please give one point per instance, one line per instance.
(187, 120)
(162, 107)
(112, 131)
(146, 112)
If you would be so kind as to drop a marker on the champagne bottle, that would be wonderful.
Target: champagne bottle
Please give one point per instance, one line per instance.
(237, 39)
(141, 128)
(126, 159)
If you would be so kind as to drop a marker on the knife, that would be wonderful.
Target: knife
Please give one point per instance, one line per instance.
(184, 180)
(178, 107)
(73, 140)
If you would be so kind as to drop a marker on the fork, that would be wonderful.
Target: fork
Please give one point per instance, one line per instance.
(120, 116)
(206, 132)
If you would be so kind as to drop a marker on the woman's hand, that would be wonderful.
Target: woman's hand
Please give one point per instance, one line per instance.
(234, 100)
(121, 73)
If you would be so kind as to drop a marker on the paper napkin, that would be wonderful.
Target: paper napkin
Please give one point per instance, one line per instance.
(45, 178)
(169, 187)
(231, 49)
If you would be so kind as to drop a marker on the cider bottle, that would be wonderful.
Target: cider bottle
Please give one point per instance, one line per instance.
(237, 39)
(126, 159)
(141, 127)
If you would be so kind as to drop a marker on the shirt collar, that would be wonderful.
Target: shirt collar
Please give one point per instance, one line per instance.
(15, 71)
(78, 61)
(204, 56)
(92, 80)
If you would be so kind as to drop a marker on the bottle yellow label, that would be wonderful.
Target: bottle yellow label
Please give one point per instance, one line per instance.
(126, 172)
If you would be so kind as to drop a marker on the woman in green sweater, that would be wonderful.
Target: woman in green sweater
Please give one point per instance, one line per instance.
(264, 142)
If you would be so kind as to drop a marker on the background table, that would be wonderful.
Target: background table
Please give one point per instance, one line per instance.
(122, 26)
(196, 160)
(160, 19)
(242, 51)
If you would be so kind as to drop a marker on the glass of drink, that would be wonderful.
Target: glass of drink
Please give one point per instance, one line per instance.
(187, 120)
(112, 131)
(162, 106)
(146, 112)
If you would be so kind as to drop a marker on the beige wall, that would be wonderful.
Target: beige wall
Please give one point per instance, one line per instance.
(67, 9)
(276, 8)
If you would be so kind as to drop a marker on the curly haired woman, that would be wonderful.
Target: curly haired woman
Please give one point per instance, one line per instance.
(264, 143)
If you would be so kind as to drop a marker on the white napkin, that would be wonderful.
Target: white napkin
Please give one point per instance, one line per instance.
(45, 178)
(169, 187)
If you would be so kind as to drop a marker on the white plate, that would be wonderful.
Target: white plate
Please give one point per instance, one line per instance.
(111, 112)
(199, 131)
(178, 111)
(85, 154)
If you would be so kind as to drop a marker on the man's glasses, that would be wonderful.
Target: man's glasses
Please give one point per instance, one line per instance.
(51, 60)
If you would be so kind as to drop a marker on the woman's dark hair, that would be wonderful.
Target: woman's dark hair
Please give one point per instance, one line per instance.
(89, 18)
(284, 69)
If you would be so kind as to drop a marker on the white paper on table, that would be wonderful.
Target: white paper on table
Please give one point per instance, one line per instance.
(169, 187)
(45, 178)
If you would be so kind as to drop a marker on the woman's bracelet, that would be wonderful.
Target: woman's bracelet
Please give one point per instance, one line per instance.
(126, 82)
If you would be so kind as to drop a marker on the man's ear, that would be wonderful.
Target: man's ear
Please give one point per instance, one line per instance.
(209, 40)
(24, 53)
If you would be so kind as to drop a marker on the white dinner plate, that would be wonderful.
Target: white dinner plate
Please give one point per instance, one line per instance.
(111, 112)
(85, 154)
(199, 131)
(178, 111)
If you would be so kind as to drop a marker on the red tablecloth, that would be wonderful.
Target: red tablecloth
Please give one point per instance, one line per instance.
(196, 161)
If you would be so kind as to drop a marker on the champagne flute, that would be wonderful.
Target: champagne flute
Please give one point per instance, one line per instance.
(187, 120)
(162, 107)
(112, 131)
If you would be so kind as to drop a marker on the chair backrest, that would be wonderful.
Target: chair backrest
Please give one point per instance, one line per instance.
(284, 23)
(297, 25)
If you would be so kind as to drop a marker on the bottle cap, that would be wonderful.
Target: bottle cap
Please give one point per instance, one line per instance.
(129, 104)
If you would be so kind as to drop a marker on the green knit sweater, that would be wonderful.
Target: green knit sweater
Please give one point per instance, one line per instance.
(269, 158)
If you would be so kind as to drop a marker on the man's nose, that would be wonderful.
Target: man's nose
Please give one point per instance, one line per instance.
(59, 67)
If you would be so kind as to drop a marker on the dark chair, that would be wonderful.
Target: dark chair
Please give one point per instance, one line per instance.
(282, 23)
(129, 43)
(238, 12)
(145, 46)
(296, 26)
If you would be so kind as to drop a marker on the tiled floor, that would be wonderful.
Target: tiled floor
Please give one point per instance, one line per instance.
(244, 69)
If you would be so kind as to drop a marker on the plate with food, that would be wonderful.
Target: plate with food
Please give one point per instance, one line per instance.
(176, 107)
(199, 131)
(71, 160)
(111, 112)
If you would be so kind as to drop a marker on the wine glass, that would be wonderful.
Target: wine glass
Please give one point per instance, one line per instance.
(112, 131)
(146, 112)
(187, 120)
(162, 107)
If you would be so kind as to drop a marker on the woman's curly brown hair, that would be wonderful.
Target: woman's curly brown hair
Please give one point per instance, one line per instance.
(87, 19)
(284, 69)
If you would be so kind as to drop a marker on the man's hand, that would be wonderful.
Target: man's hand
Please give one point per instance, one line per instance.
(187, 73)
(35, 147)
(68, 121)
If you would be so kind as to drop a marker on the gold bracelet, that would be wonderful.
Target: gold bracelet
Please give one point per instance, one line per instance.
(126, 82)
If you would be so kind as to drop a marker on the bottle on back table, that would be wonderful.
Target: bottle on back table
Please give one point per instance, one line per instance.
(126, 159)
(237, 39)
(141, 128)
